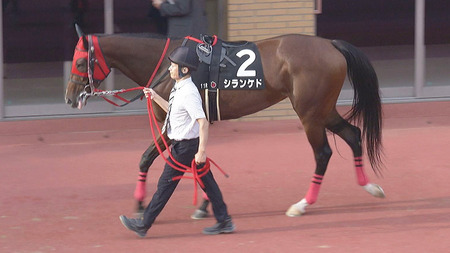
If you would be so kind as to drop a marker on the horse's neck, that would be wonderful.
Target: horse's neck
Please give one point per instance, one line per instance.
(135, 57)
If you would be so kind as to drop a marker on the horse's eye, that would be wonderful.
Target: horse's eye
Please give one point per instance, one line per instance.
(81, 65)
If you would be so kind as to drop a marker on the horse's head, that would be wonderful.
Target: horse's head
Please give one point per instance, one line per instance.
(89, 69)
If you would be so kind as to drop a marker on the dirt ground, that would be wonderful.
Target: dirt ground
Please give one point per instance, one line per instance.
(64, 182)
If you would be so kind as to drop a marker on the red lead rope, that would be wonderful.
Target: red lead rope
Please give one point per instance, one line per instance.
(197, 174)
(159, 62)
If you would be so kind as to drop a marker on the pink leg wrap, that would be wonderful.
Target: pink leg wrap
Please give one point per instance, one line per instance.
(362, 178)
(314, 188)
(139, 192)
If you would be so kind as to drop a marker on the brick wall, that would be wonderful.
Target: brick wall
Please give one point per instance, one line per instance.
(259, 19)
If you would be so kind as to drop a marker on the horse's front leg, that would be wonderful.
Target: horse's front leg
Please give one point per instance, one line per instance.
(146, 161)
(322, 153)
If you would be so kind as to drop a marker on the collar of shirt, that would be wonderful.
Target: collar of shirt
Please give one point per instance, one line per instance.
(180, 83)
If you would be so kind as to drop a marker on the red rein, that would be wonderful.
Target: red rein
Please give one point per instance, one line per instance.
(197, 174)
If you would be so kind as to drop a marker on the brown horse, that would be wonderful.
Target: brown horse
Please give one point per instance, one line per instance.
(308, 70)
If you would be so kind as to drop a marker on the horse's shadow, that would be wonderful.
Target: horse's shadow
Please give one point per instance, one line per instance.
(406, 221)
(409, 205)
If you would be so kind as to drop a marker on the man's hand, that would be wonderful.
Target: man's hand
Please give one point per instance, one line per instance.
(157, 98)
(200, 157)
(149, 93)
(157, 3)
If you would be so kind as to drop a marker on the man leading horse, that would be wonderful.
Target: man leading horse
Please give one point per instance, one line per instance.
(187, 128)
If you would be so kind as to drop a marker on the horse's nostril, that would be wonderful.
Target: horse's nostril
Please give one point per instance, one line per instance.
(68, 101)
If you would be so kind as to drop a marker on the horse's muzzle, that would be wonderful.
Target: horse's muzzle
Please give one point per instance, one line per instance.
(69, 102)
(75, 104)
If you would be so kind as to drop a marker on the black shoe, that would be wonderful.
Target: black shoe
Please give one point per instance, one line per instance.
(134, 225)
(226, 226)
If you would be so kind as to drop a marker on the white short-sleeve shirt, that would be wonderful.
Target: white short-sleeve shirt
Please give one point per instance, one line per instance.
(186, 108)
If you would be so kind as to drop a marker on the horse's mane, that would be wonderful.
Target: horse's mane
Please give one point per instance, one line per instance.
(137, 35)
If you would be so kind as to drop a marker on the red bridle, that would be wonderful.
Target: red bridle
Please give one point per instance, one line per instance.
(95, 60)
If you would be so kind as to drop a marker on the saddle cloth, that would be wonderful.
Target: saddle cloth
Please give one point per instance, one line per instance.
(225, 66)
(239, 65)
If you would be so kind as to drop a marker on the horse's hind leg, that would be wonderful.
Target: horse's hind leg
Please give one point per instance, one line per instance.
(352, 136)
(322, 153)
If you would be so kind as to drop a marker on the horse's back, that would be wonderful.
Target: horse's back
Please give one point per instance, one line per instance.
(302, 51)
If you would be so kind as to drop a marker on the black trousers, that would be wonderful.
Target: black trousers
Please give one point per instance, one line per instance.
(183, 151)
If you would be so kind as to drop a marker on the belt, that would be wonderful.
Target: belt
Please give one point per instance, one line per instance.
(184, 140)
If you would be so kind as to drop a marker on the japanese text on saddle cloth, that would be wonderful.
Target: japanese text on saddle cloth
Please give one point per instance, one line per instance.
(226, 66)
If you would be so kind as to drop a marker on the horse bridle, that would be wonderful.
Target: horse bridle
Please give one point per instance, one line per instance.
(92, 80)
(92, 60)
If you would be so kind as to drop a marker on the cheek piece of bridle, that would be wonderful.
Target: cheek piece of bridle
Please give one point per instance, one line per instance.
(95, 59)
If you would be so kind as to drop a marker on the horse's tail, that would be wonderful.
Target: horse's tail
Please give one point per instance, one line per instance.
(366, 107)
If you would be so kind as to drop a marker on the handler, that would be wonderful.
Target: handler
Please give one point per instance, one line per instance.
(187, 127)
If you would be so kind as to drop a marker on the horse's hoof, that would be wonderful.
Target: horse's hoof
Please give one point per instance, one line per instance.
(293, 211)
(298, 209)
(375, 190)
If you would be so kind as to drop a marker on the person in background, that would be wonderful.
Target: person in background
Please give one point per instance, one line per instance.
(184, 17)
(159, 21)
(187, 127)
(79, 8)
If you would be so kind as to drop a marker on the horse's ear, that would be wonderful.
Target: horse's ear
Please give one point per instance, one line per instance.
(79, 31)
(81, 35)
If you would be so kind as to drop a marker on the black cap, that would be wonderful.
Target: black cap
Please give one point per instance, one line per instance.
(184, 56)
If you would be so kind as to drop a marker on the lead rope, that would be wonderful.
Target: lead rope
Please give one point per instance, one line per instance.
(197, 174)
